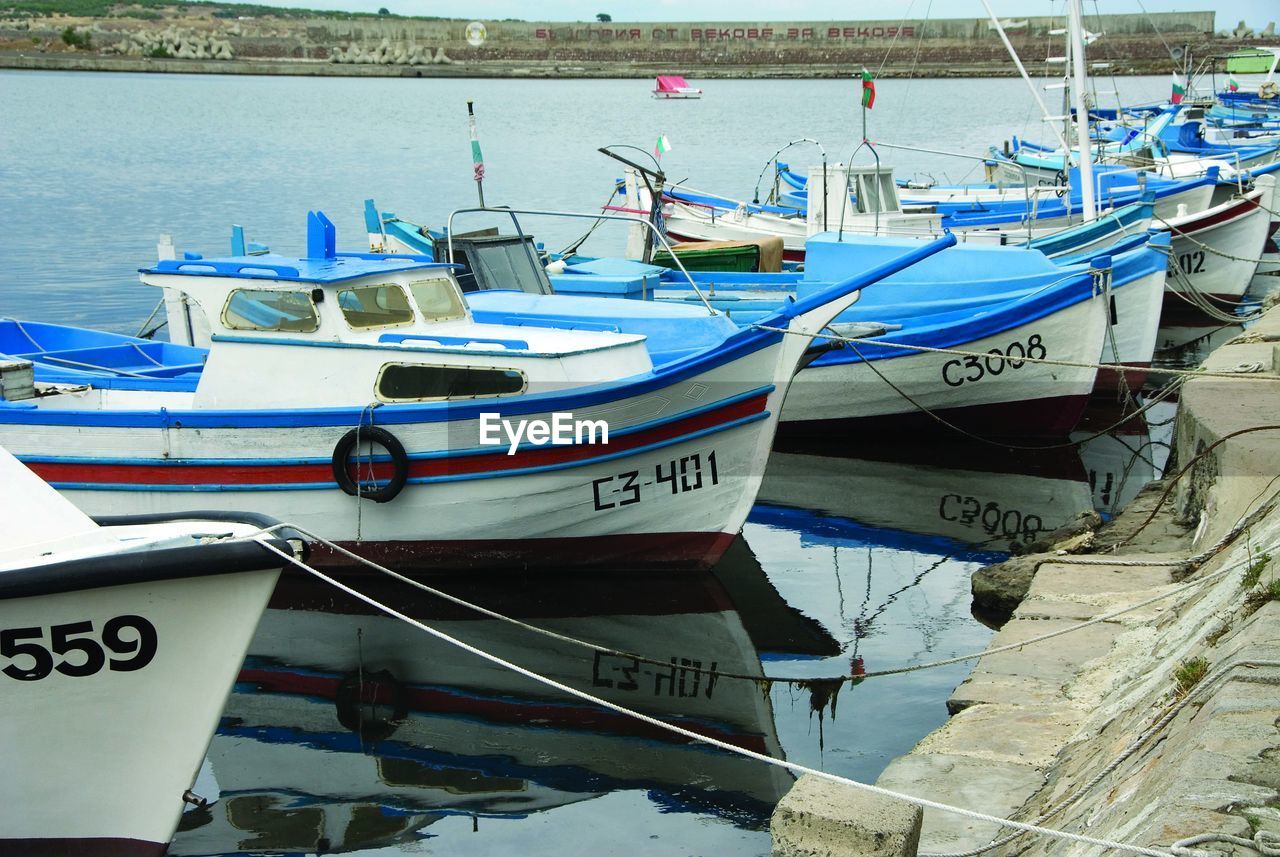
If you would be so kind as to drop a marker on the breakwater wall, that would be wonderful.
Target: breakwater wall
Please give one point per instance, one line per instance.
(1152, 718)
(949, 47)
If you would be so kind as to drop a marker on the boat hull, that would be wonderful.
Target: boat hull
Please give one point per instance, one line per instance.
(990, 397)
(1216, 253)
(143, 726)
(672, 483)
(1134, 324)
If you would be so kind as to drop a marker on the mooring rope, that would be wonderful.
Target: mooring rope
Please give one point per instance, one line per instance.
(799, 681)
(1159, 397)
(794, 767)
(1216, 252)
(1048, 361)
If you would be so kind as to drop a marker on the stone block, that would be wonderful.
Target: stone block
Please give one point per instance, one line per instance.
(994, 788)
(820, 818)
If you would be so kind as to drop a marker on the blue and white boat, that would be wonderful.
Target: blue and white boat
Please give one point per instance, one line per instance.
(1008, 215)
(997, 301)
(964, 298)
(122, 639)
(1056, 205)
(361, 398)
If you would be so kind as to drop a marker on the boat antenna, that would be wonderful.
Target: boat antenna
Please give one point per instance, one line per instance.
(477, 159)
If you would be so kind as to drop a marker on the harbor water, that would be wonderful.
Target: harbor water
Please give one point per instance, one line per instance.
(350, 733)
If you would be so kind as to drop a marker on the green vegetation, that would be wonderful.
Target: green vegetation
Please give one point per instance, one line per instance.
(159, 9)
(1189, 673)
(1254, 572)
(76, 39)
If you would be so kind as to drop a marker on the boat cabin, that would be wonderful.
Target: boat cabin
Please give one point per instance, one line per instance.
(341, 329)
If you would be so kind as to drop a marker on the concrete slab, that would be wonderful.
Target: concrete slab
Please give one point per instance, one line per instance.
(820, 818)
(996, 788)
(1005, 733)
(1040, 670)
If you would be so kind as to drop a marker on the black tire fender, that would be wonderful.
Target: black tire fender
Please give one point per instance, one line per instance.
(383, 438)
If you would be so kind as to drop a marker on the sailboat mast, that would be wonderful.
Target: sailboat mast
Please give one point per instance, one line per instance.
(1076, 26)
(1017, 61)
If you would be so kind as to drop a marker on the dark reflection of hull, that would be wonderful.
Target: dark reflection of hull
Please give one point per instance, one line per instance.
(1121, 462)
(773, 625)
(974, 493)
(432, 731)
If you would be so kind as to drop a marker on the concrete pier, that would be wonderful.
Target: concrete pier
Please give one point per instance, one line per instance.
(1033, 727)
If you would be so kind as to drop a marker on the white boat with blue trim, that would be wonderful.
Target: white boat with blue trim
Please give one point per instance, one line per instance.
(358, 398)
(119, 644)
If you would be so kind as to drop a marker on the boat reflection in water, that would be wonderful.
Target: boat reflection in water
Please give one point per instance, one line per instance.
(975, 493)
(351, 730)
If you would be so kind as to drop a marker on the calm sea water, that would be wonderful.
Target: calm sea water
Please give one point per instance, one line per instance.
(346, 734)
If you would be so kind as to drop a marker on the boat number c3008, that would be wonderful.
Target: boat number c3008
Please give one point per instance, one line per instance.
(30, 659)
(973, 368)
(682, 474)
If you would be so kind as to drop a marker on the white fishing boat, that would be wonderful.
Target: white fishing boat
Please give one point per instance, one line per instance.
(118, 646)
(873, 210)
(357, 397)
(1215, 253)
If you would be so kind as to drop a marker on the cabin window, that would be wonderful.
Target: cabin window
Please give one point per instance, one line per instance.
(366, 307)
(270, 309)
(415, 382)
(438, 299)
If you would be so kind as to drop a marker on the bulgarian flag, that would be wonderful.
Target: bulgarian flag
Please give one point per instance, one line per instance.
(661, 147)
(868, 90)
(1178, 91)
(1232, 85)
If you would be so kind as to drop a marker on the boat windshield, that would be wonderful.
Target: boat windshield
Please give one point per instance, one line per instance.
(501, 262)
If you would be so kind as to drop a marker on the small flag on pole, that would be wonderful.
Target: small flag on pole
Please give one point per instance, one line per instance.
(661, 147)
(1232, 85)
(1178, 91)
(477, 159)
(868, 90)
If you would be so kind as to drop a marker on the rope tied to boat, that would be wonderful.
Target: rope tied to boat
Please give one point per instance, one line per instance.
(1183, 236)
(1184, 565)
(1165, 392)
(1048, 361)
(794, 767)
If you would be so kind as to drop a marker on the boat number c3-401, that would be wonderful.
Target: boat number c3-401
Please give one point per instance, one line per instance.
(687, 678)
(31, 659)
(682, 474)
(973, 368)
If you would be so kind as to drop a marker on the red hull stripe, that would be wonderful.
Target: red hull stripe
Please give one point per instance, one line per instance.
(160, 473)
(547, 715)
(1241, 208)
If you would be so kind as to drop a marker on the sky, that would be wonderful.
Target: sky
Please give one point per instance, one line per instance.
(1256, 13)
